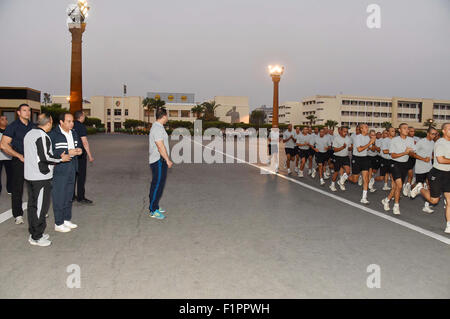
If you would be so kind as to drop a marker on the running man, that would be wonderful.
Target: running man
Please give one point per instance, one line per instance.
(411, 163)
(296, 149)
(322, 145)
(289, 146)
(401, 148)
(385, 165)
(373, 153)
(342, 144)
(303, 144)
(439, 176)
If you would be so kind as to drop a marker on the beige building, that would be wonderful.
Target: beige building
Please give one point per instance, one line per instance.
(351, 110)
(290, 113)
(12, 97)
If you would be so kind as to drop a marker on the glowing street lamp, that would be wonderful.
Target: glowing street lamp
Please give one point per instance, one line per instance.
(275, 72)
(76, 21)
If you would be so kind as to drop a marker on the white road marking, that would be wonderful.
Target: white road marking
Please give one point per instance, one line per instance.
(8, 214)
(418, 229)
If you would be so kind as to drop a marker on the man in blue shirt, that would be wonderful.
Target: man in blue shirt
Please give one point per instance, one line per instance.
(12, 145)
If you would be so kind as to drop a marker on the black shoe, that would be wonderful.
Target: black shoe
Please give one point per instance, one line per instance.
(74, 198)
(85, 201)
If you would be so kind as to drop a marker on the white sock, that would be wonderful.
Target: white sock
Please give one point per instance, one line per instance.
(448, 224)
(345, 176)
(364, 194)
(396, 204)
(427, 204)
(333, 184)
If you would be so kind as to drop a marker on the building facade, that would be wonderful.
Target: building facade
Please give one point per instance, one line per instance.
(289, 112)
(12, 97)
(233, 109)
(268, 111)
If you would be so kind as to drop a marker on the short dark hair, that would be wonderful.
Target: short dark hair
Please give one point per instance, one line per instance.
(78, 114)
(444, 125)
(62, 116)
(160, 112)
(22, 105)
(44, 118)
(430, 129)
(403, 124)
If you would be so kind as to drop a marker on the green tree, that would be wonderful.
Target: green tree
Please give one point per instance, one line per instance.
(47, 98)
(257, 117)
(386, 125)
(198, 110)
(210, 110)
(129, 123)
(93, 121)
(54, 110)
(152, 104)
(312, 118)
(331, 124)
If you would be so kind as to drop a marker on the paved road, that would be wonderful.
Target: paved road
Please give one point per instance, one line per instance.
(230, 233)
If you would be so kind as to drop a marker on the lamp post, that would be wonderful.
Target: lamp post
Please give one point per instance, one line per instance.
(76, 22)
(275, 72)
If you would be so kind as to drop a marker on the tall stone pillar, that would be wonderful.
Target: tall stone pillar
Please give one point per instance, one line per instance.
(76, 74)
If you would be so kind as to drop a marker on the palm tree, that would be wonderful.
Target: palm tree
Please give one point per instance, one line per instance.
(429, 123)
(331, 124)
(47, 98)
(386, 125)
(312, 118)
(152, 104)
(209, 110)
(198, 110)
(257, 117)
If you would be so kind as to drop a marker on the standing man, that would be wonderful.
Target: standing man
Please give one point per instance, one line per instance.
(12, 145)
(289, 146)
(401, 148)
(64, 140)
(159, 162)
(439, 176)
(80, 179)
(360, 161)
(39, 162)
(5, 159)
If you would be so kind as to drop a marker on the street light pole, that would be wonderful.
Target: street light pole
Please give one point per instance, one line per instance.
(275, 72)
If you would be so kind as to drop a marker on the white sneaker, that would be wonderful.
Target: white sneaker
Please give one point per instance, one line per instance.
(416, 190)
(427, 209)
(341, 186)
(313, 174)
(325, 176)
(447, 230)
(322, 182)
(300, 174)
(413, 181)
(372, 190)
(19, 220)
(364, 201)
(296, 169)
(69, 224)
(309, 172)
(386, 187)
(396, 209)
(62, 228)
(43, 242)
(333, 188)
(360, 180)
(289, 171)
(385, 203)
(371, 182)
(341, 180)
(406, 189)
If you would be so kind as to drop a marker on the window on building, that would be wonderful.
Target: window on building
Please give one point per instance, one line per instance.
(185, 113)
(173, 113)
(117, 112)
(369, 103)
(345, 102)
(384, 115)
(384, 104)
(354, 102)
(362, 103)
(108, 112)
(126, 112)
(377, 103)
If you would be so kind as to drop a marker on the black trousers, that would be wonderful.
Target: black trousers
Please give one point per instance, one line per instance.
(80, 179)
(16, 187)
(7, 165)
(159, 176)
(39, 193)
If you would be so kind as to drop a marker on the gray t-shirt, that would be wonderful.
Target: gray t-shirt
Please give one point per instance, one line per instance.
(399, 145)
(385, 145)
(424, 148)
(360, 140)
(157, 133)
(290, 143)
(441, 148)
(302, 139)
(322, 143)
(339, 141)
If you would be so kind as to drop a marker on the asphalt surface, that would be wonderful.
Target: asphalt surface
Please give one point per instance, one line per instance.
(230, 232)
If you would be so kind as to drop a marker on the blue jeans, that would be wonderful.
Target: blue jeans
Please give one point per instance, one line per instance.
(159, 173)
(62, 193)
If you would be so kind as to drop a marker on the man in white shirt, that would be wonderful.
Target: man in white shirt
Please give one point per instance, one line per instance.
(373, 153)
(411, 163)
(439, 176)
(311, 158)
(385, 164)
(360, 161)
(321, 147)
(423, 155)
(342, 144)
(329, 162)
(303, 144)
(296, 149)
(289, 146)
(401, 148)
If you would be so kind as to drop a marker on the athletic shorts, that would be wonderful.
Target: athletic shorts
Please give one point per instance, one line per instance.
(296, 150)
(399, 170)
(303, 153)
(374, 162)
(273, 149)
(385, 166)
(290, 151)
(411, 162)
(421, 178)
(340, 161)
(359, 164)
(439, 182)
(330, 154)
(321, 157)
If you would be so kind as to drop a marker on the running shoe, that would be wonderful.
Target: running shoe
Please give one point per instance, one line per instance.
(157, 214)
